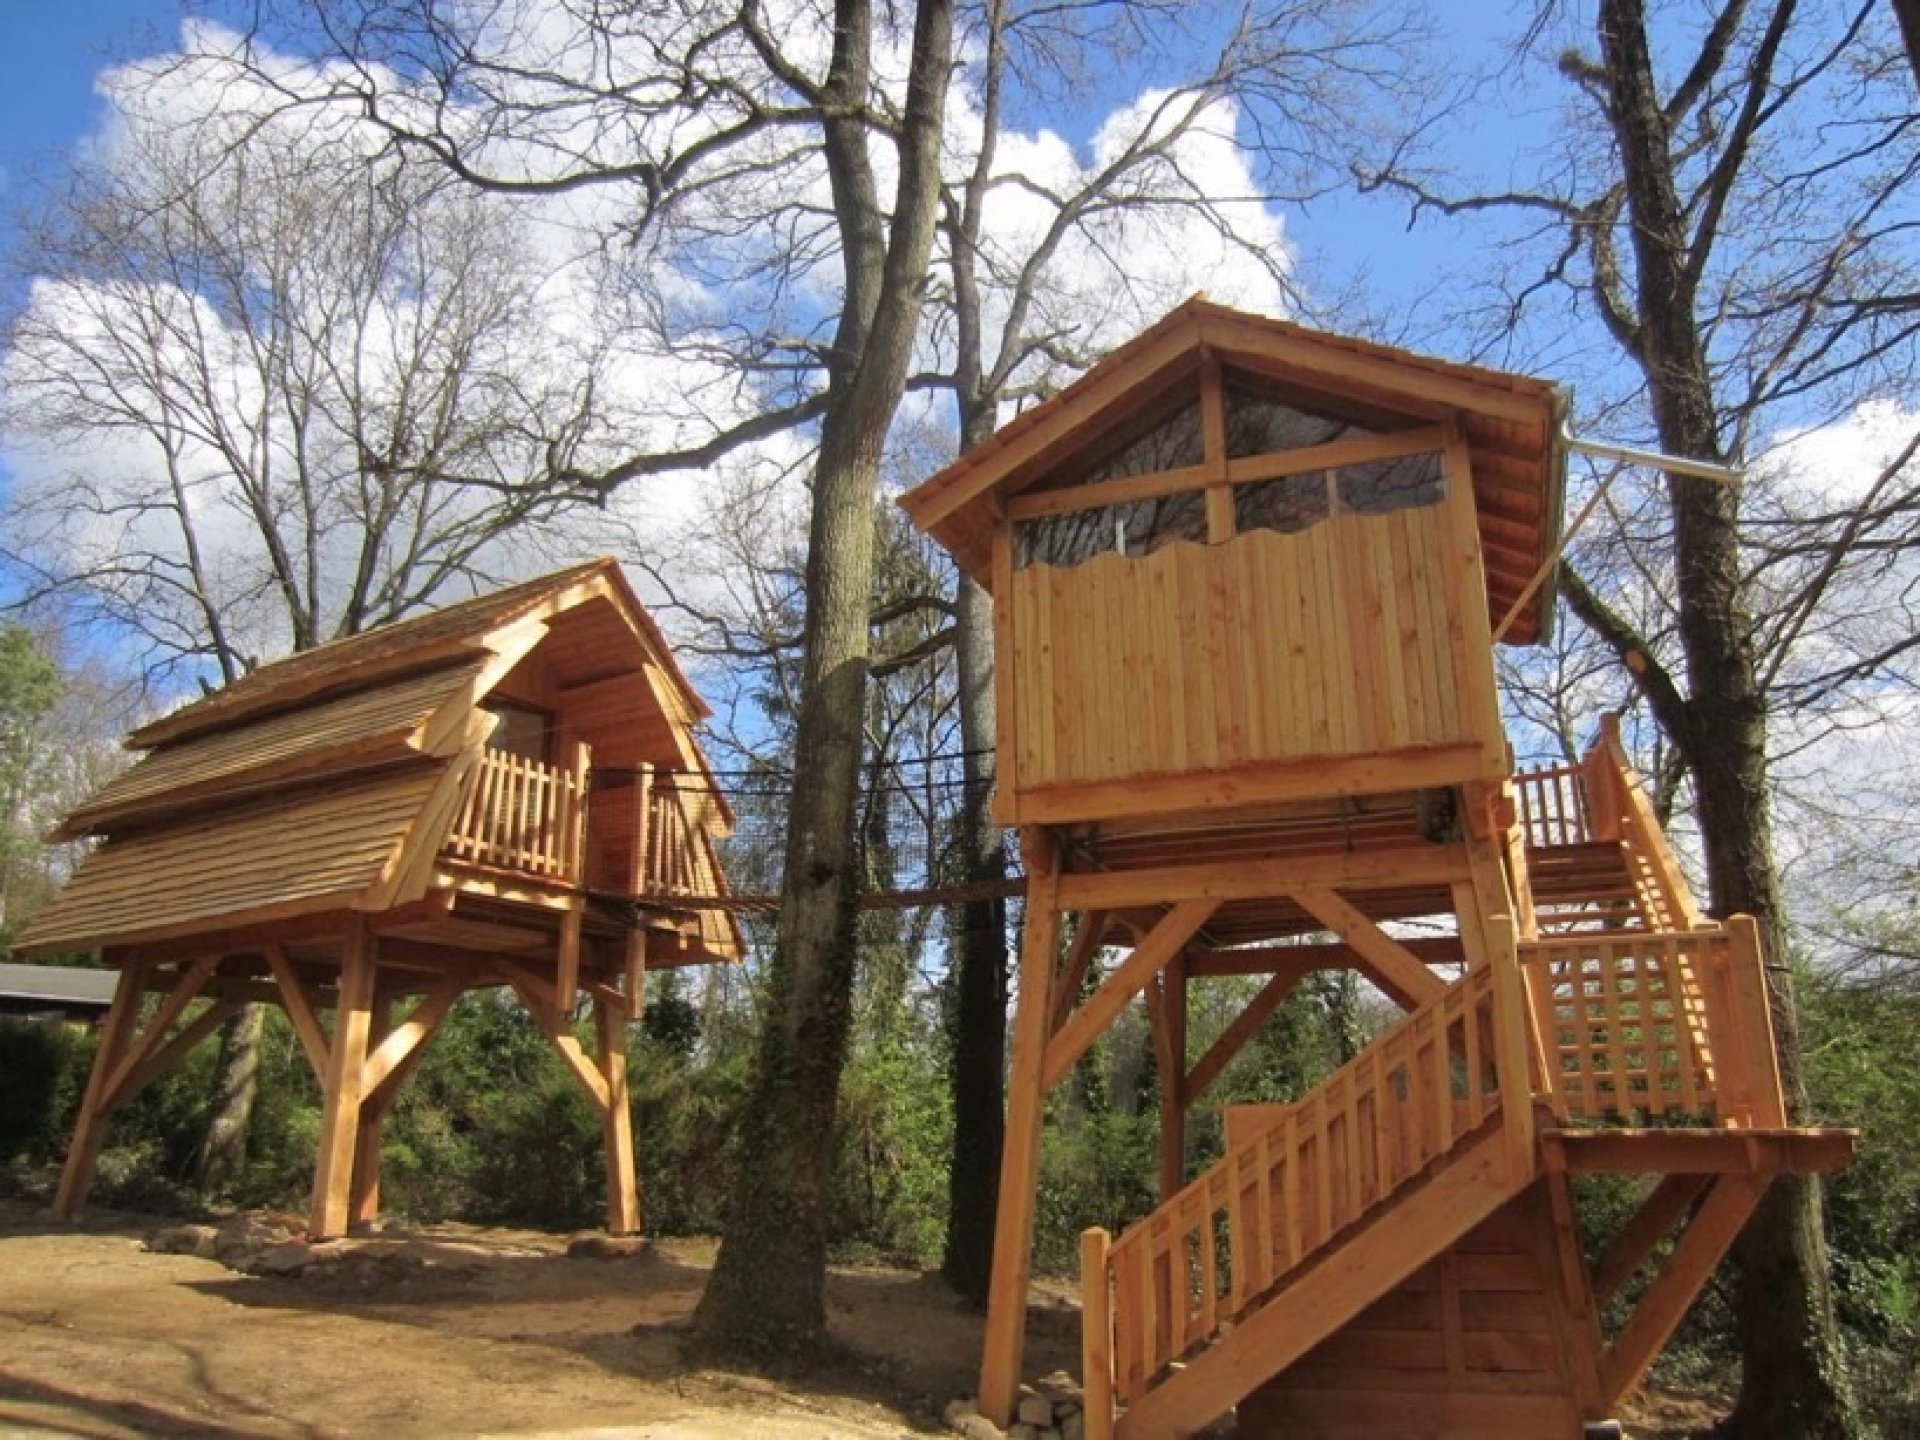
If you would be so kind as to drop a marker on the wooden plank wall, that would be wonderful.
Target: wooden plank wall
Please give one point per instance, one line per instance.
(1470, 1345)
(1330, 642)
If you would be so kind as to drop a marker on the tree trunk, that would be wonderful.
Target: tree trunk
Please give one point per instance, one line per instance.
(1791, 1380)
(979, 1029)
(766, 1300)
(223, 1148)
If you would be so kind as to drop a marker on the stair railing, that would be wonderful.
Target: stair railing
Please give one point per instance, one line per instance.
(1655, 868)
(1299, 1178)
(1666, 1027)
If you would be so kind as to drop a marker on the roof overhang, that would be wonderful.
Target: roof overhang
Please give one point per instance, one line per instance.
(1512, 425)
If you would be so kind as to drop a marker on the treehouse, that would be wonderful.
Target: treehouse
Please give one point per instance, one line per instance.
(1248, 578)
(483, 796)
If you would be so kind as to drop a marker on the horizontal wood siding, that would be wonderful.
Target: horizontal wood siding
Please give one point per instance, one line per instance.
(1270, 647)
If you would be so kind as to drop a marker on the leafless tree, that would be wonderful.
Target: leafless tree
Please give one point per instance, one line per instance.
(1727, 211)
(263, 395)
(736, 160)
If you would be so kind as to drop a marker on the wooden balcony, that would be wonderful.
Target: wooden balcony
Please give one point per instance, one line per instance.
(523, 816)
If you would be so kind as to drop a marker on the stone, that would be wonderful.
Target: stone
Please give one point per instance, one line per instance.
(242, 1239)
(978, 1427)
(1073, 1427)
(1035, 1410)
(1021, 1430)
(958, 1409)
(289, 1257)
(197, 1240)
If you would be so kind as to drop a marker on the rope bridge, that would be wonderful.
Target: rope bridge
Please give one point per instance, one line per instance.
(908, 820)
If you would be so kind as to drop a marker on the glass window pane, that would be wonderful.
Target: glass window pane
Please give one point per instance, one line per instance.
(1288, 504)
(1138, 528)
(1259, 426)
(1379, 486)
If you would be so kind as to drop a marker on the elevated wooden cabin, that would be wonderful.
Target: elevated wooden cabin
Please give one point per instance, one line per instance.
(1248, 578)
(481, 796)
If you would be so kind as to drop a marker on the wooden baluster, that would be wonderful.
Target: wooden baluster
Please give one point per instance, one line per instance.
(1241, 1246)
(642, 877)
(1096, 1335)
(1262, 1254)
(1290, 1149)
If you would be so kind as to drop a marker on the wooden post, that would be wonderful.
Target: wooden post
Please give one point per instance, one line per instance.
(623, 1191)
(346, 1059)
(1096, 1335)
(1172, 1058)
(642, 822)
(76, 1176)
(566, 967)
(1512, 1021)
(1006, 1331)
(576, 813)
(611, 1021)
(1753, 1013)
(364, 1207)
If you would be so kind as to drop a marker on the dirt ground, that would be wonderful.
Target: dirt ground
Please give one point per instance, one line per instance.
(482, 1332)
(499, 1333)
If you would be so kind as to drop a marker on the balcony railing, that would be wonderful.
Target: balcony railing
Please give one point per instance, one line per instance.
(521, 815)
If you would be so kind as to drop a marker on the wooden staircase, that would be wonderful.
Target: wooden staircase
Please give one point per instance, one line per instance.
(1319, 1208)
(1626, 1035)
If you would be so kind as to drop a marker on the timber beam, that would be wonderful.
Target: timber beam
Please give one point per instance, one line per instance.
(1157, 949)
(1287, 959)
(1409, 865)
(1701, 1152)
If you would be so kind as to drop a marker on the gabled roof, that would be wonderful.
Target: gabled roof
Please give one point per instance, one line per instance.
(441, 636)
(1512, 425)
(329, 781)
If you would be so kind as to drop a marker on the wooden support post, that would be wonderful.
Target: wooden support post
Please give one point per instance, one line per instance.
(1512, 1022)
(1389, 964)
(364, 1201)
(566, 973)
(76, 1176)
(1073, 972)
(1006, 1331)
(611, 1021)
(346, 1061)
(1169, 1011)
(1096, 1335)
(299, 1007)
(1156, 950)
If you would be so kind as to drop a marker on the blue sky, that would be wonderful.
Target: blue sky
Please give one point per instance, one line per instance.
(50, 51)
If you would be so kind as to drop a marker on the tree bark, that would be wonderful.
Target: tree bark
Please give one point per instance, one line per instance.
(223, 1148)
(766, 1300)
(1791, 1379)
(979, 1031)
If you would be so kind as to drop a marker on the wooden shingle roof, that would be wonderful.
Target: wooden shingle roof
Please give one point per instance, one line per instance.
(1512, 424)
(328, 781)
(453, 632)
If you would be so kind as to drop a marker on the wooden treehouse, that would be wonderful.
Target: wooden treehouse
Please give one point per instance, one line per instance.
(483, 796)
(1248, 578)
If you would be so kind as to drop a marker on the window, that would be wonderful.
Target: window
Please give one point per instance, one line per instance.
(1405, 482)
(1138, 528)
(1259, 426)
(1288, 504)
(521, 730)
